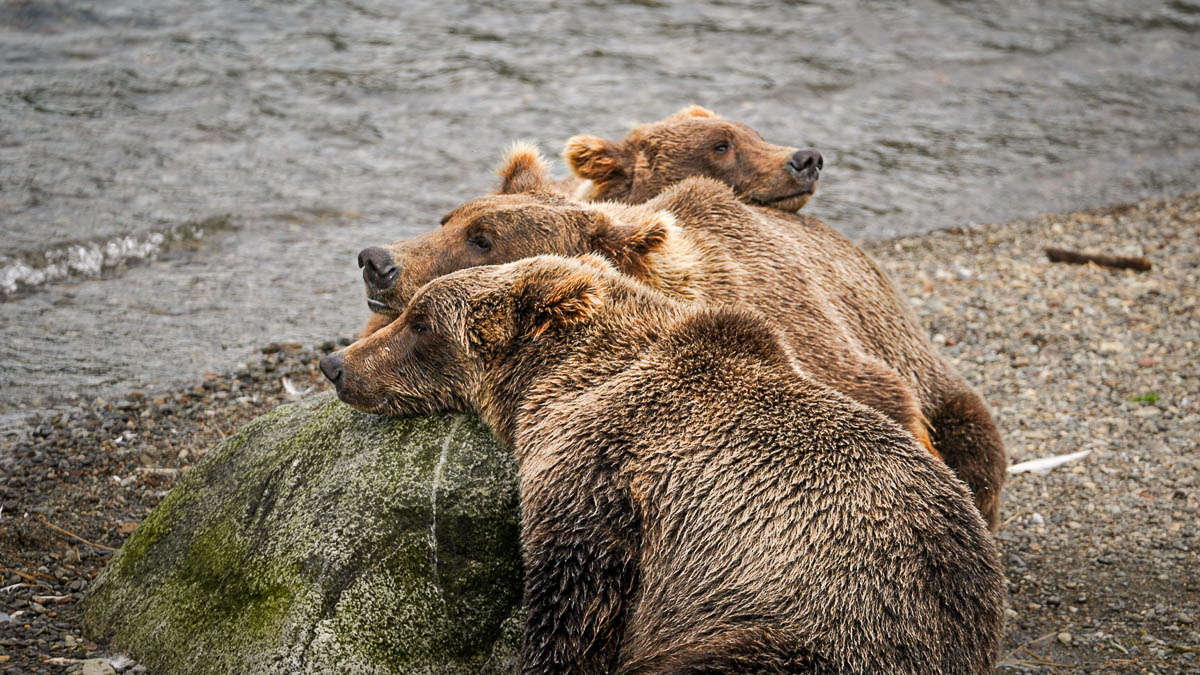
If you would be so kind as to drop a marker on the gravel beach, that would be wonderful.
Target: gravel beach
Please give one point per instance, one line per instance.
(1101, 553)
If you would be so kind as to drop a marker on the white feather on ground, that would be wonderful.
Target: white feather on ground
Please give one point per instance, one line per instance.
(292, 390)
(1045, 464)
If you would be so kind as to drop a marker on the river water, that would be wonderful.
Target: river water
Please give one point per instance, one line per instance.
(184, 181)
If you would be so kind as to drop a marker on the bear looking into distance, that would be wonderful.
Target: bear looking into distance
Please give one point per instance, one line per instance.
(690, 501)
(698, 142)
(693, 142)
(840, 316)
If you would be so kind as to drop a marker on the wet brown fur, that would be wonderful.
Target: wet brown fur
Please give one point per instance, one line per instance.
(688, 262)
(690, 502)
(845, 321)
(655, 156)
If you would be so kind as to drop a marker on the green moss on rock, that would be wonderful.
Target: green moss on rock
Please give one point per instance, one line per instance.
(320, 539)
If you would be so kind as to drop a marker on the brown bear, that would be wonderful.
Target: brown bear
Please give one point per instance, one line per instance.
(693, 142)
(654, 156)
(690, 502)
(819, 341)
(376, 263)
(841, 317)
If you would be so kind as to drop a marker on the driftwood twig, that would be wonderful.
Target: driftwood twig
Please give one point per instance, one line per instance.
(72, 534)
(28, 577)
(1139, 263)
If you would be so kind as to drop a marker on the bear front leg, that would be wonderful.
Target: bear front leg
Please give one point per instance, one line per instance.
(580, 542)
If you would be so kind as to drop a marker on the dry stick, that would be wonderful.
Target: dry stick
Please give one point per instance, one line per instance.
(1185, 648)
(72, 534)
(1140, 264)
(1030, 663)
(28, 577)
(1012, 653)
(1050, 664)
(1011, 518)
(1037, 659)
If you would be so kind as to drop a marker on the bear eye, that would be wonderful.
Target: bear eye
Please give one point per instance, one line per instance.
(481, 242)
(721, 148)
(418, 326)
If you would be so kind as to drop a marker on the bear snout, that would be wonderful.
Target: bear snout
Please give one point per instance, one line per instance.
(380, 271)
(333, 365)
(806, 164)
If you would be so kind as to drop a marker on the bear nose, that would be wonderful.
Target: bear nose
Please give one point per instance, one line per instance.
(804, 160)
(331, 365)
(379, 271)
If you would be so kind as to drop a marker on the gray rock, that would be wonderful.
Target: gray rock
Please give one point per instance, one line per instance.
(96, 667)
(320, 539)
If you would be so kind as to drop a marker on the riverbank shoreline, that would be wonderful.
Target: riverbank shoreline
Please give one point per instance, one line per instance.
(1101, 554)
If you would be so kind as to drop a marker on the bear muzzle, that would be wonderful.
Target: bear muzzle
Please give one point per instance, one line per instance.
(333, 366)
(380, 270)
(805, 165)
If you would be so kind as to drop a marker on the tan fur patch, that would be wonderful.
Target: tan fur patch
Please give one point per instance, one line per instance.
(523, 169)
(375, 323)
(647, 244)
(589, 157)
(597, 261)
(565, 301)
(695, 111)
(920, 429)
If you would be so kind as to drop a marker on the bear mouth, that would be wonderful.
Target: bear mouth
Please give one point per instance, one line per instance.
(791, 202)
(802, 193)
(381, 308)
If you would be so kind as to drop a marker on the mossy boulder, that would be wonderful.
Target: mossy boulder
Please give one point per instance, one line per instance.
(320, 539)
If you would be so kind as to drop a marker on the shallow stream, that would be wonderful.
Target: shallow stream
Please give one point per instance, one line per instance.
(182, 182)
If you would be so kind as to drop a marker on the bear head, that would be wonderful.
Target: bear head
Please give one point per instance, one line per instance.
(523, 219)
(695, 142)
(466, 335)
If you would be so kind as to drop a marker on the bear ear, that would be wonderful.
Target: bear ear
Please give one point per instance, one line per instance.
(486, 330)
(560, 299)
(695, 111)
(522, 170)
(631, 243)
(594, 158)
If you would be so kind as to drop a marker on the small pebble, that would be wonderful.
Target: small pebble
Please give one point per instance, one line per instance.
(97, 667)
